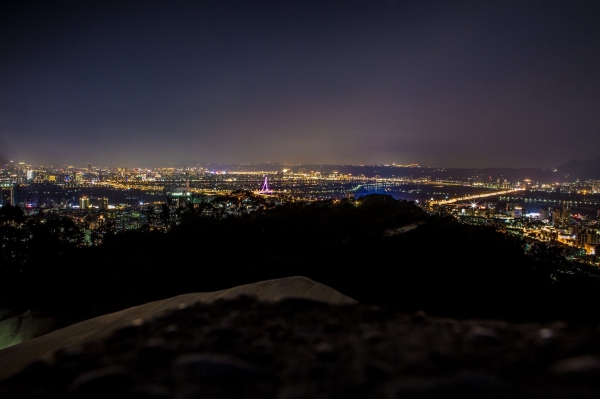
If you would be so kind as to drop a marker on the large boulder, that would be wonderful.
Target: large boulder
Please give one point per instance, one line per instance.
(14, 358)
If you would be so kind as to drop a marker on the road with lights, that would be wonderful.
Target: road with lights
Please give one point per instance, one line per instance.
(474, 197)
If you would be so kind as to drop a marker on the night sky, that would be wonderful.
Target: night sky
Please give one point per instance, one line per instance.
(456, 84)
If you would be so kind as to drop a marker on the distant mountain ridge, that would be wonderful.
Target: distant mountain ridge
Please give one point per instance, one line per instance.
(581, 170)
(390, 171)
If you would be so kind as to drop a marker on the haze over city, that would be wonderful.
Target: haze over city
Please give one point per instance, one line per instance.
(461, 84)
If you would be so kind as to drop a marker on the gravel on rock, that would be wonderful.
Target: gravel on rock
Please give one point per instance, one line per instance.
(299, 348)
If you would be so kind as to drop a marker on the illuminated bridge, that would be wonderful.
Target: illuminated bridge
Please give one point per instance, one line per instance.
(474, 197)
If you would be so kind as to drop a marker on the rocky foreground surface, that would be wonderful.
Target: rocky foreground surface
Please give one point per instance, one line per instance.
(298, 348)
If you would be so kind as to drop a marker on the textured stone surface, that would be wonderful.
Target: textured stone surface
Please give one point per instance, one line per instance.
(15, 358)
(300, 348)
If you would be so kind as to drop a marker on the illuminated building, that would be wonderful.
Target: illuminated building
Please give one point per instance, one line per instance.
(103, 203)
(7, 194)
(555, 217)
(587, 237)
(490, 205)
(566, 214)
(591, 249)
(84, 203)
(518, 212)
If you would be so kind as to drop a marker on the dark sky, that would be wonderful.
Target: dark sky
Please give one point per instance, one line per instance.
(457, 84)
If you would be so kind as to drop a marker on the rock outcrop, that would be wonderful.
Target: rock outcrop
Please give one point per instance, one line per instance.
(14, 358)
(299, 348)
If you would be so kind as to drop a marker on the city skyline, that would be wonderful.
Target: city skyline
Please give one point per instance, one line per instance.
(462, 84)
(274, 165)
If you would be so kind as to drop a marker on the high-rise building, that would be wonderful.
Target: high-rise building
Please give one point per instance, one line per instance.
(89, 167)
(566, 214)
(556, 218)
(7, 195)
(84, 202)
(103, 203)
(587, 237)
(30, 175)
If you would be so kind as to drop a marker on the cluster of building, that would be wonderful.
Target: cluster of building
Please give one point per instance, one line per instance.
(573, 230)
(557, 224)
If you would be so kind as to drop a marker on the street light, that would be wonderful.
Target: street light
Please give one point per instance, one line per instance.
(473, 206)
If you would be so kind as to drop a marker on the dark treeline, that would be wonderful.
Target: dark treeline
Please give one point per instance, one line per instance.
(442, 267)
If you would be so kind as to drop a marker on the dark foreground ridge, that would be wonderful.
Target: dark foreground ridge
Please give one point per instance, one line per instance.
(298, 348)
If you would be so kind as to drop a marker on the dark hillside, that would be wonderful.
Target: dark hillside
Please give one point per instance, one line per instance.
(582, 170)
